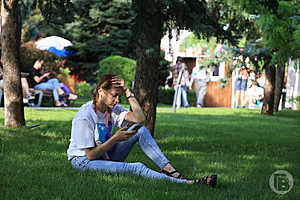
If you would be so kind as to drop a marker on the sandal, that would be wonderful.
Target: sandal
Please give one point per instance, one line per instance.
(212, 182)
(172, 174)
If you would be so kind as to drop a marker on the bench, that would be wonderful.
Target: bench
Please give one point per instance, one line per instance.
(39, 93)
(46, 93)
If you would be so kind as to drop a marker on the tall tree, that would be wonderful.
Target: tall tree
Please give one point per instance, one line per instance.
(149, 31)
(153, 19)
(278, 31)
(10, 56)
(10, 44)
(101, 29)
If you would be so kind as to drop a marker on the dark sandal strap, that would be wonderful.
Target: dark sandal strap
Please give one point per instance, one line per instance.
(212, 182)
(172, 174)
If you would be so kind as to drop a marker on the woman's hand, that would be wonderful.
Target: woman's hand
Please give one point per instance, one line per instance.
(46, 75)
(122, 134)
(120, 82)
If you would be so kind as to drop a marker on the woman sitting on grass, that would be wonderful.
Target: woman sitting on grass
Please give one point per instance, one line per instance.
(92, 146)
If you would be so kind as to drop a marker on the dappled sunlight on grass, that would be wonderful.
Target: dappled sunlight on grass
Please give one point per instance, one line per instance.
(243, 147)
(283, 166)
(182, 152)
(248, 157)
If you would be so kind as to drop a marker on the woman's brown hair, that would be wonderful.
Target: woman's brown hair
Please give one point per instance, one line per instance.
(104, 83)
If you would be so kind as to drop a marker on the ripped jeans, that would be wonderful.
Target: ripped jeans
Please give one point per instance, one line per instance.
(122, 149)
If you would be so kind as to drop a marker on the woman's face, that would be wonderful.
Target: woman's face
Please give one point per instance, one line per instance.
(39, 64)
(111, 97)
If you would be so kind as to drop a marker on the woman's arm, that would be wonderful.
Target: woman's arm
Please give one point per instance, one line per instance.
(98, 151)
(39, 79)
(137, 114)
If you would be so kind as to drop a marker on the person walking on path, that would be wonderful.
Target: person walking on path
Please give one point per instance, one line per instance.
(93, 147)
(181, 82)
(200, 77)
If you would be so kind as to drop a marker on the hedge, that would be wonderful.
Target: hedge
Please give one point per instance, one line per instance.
(121, 66)
(165, 96)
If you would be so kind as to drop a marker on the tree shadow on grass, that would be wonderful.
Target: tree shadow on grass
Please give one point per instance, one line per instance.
(246, 150)
(34, 160)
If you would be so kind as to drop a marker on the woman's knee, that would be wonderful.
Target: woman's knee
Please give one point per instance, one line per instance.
(139, 167)
(54, 80)
(143, 130)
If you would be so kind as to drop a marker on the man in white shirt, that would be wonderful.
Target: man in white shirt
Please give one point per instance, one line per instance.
(200, 77)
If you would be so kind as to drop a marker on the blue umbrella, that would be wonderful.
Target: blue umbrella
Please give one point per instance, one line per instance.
(54, 44)
(59, 53)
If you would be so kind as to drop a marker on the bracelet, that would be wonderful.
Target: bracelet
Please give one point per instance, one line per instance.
(130, 96)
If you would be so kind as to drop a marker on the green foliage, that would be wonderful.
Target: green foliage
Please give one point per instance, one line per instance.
(191, 41)
(99, 29)
(63, 72)
(215, 60)
(120, 66)
(83, 89)
(45, 17)
(275, 20)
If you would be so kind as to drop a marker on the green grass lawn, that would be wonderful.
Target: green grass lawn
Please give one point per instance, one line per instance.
(243, 147)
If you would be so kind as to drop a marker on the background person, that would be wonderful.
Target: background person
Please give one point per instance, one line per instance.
(241, 87)
(92, 147)
(181, 82)
(200, 77)
(40, 81)
(256, 95)
(27, 96)
(66, 90)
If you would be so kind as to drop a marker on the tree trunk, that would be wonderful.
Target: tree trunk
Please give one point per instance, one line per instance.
(279, 81)
(10, 56)
(268, 103)
(148, 36)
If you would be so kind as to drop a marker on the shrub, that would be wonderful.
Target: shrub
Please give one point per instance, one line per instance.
(83, 89)
(121, 66)
(165, 96)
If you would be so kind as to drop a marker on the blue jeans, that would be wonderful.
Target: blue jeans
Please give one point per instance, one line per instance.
(181, 92)
(51, 84)
(241, 84)
(122, 149)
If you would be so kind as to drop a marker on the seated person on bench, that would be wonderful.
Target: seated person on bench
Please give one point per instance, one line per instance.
(41, 81)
